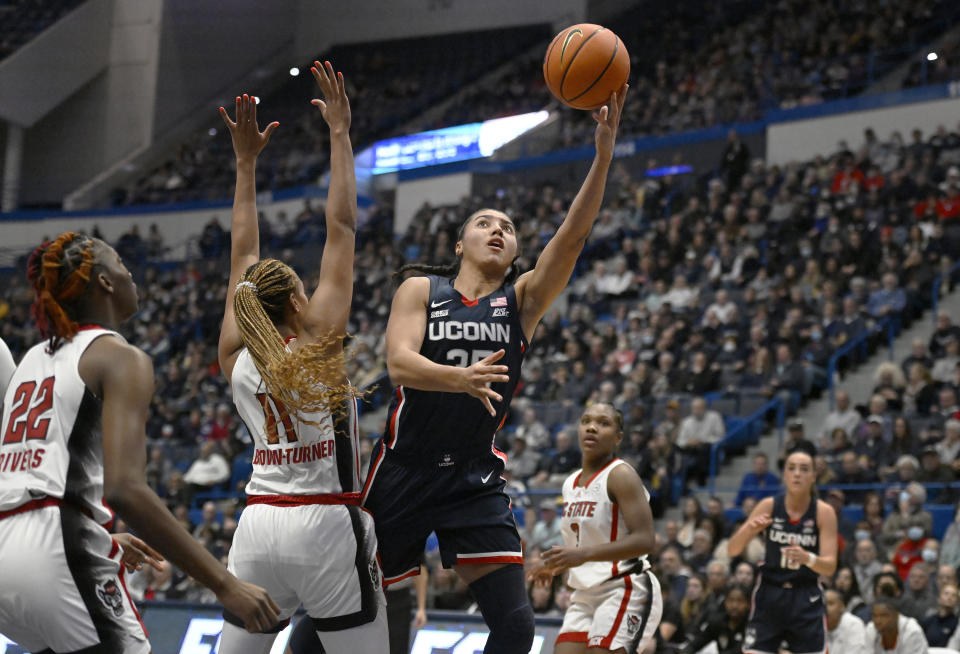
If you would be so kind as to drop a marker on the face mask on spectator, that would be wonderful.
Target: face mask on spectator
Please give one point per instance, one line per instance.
(815, 336)
(930, 556)
(729, 346)
(915, 533)
(862, 534)
(904, 496)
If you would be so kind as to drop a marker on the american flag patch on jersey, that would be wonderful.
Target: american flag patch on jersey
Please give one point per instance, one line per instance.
(499, 301)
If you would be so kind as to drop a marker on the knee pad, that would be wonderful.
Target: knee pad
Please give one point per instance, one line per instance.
(502, 598)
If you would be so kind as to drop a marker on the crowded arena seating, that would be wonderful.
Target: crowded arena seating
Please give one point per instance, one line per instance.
(21, 20)
(733, 63)
(736, 288)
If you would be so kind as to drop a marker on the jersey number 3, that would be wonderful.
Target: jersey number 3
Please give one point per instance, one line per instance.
(34, 400)
(270, 424)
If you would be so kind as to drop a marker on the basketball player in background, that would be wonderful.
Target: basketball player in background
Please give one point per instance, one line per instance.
(455, 342)
(801, 544)
(303, 535)
(73, 436)
(7, 366)
(608, 532)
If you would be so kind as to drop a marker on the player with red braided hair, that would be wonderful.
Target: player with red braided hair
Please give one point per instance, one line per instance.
(72, 440)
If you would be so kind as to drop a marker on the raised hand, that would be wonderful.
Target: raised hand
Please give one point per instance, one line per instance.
(248, 140)
(335, 106)
(608, 120)
(759, 522)
(136, 553)
(478, 377)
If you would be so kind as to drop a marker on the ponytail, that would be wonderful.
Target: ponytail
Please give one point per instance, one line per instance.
(59, 272)
(310, 380)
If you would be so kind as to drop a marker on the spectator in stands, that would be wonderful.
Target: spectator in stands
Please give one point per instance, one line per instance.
(789, 380)
(909, 525)
(949, 447)
(918, 354)
(865, 564)
(546, 532)
(524, 460)
(891, 631)
(946, 574)
(946, 364)
(873, 514)
(758, 483)
(532, 431)
(845, 632)
(889, 383)
(837, 445)
(903, 472)
(673, 573)
(725, 628)
(210, 468)
(945, 331)
(846, 583)
(555, 468)
(699, 378)
(692, 514)
(837, 499)
(939, 626)
(209, 525)
(701, 551)
(795, 436)
(920, 393)
(718, 577)
(735, 160)
(919, 597)
(890, 299)
(871, 445)
(744, 574)
(950, 546)
(698, 431)
(715, 514)
(932, 471)
(694, 605)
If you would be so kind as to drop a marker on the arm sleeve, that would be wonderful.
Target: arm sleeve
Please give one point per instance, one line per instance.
(7, 366)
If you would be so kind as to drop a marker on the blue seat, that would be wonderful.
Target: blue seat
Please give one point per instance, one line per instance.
(943, 515)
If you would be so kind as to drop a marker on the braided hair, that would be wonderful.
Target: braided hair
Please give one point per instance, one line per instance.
(452, 269)
(59, 272)
(309, 380)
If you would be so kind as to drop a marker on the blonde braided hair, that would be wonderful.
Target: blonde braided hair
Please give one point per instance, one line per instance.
(309, 380)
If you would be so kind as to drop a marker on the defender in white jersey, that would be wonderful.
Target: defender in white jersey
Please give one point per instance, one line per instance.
(607, 531)
(303, 534)
(73, 434)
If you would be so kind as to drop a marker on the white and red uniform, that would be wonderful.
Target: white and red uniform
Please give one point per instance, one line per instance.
(62, 582)
(303, 536)
(613, 604)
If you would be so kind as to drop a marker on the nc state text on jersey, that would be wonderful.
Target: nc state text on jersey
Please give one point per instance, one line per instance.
(455, 330)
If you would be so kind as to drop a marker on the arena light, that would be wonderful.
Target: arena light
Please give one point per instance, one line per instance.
(932, 56)
(294, 71)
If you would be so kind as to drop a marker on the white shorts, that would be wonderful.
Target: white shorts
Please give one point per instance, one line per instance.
(320, 555)
(620, 613)
(63, 585)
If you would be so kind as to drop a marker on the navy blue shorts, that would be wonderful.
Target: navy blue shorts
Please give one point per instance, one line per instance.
(794, 616)
(461, 500)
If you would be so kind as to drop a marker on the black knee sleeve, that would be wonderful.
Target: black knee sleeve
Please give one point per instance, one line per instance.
(304, 639)
(502, 598)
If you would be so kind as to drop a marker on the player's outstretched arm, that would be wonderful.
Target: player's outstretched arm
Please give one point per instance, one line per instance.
(760, 518)
(407, 367)
(538, 288)
(626, 490)
(122, 377)
(329, 307)
(248, 142)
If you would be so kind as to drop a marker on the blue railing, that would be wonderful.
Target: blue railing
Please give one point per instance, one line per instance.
(890, 323)
(748, 431)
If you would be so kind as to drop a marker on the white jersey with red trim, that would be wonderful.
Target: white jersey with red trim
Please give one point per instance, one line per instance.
(51, 439)
(290, 456)
(590, 518)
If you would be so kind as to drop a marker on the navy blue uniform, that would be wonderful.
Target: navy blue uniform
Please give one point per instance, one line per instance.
(788, 602)
(436, 468)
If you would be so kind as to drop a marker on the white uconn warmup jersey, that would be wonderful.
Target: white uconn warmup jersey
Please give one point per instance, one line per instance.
(590, 518)
(291, 457)
(50, 443)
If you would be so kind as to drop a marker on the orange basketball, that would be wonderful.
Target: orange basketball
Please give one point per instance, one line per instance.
(584, 64)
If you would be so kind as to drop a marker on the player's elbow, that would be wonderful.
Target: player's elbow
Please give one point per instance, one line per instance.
(120, 494)
(646, 542)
